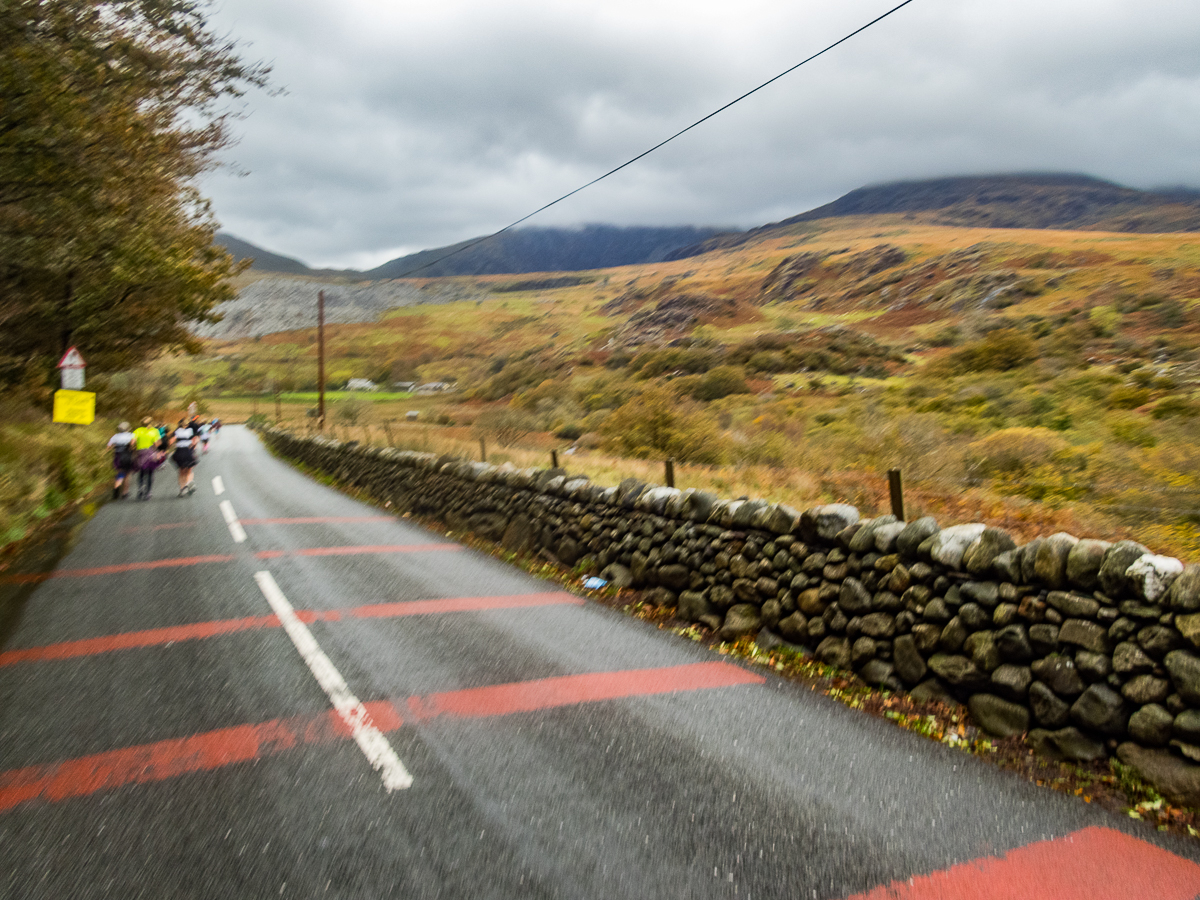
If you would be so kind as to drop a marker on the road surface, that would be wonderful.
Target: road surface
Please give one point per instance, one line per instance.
(268, 689)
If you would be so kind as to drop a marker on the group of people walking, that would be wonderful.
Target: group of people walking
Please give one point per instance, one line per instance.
(145, 449)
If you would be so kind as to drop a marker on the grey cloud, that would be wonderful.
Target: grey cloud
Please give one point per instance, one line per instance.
(416, 131)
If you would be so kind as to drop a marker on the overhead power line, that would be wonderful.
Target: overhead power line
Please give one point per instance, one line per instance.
(477, 241)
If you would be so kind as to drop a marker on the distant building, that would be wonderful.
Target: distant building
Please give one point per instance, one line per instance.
(434, 387)
(407, 386)
(361, 384)
(412, 415)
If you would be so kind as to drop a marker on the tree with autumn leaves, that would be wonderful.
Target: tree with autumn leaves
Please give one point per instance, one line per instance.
(109, 110)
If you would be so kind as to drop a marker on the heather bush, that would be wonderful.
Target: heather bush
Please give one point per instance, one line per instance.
(657, 425)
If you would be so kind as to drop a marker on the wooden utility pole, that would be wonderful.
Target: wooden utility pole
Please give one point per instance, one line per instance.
(670, 472)
(321, 360)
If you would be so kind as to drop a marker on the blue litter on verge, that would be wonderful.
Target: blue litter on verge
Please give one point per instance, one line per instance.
(593, 583)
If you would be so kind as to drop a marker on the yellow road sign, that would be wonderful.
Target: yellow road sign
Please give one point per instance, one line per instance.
(74, 407)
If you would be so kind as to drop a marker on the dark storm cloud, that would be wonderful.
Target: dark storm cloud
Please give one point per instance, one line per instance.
(404, 129)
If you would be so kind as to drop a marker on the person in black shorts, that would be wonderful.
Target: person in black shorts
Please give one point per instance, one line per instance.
(124, 459)
(184, 456)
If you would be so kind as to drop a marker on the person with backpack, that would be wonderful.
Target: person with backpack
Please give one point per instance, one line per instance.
(147, 441)
(124, 459)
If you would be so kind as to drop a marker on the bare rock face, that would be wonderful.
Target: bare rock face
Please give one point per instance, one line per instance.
(284, 304)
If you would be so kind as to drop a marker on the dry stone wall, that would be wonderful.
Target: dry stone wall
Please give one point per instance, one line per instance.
(1089, 647)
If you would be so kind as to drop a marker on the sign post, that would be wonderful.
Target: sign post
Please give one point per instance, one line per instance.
(72, 366)
(73, 405)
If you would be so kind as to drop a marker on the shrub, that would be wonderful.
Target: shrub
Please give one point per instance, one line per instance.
(514, 377)
(1127, 396)
(1174, 406)
(947, 337)
(505, 425)
(655, 425)
(1132, 432)
(999, 350)
(1104, 321)
(1015, 451)
(720, 382)
(350, 411)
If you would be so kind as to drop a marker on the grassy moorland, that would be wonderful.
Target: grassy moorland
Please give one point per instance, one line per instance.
(1043, 380)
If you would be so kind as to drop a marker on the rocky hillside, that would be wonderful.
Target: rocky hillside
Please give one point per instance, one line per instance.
(284, 304)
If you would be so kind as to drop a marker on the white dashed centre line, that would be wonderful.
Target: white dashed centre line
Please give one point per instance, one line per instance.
(370, 740)
(231, 519)
(218, 486)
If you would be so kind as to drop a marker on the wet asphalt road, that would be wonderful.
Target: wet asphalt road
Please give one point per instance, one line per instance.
(743, 786)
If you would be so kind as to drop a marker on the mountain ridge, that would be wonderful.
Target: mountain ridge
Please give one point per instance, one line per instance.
(1061, 201)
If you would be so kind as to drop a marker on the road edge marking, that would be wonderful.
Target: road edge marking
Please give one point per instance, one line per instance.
(218, 486)
(370, 740)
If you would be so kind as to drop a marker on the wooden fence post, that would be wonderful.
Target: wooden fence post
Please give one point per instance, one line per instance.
(387, 429)
(482, 448)
(670, 472)
(896, 487)
(554, 459)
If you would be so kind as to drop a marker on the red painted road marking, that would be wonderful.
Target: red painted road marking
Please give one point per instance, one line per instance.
(525, 696)
(243, 743)
(129, 640)
(179, 756)
(157, 636)
(124, 567)
(1092, 864)
(197, 560)
(462, 604)
(318, 520)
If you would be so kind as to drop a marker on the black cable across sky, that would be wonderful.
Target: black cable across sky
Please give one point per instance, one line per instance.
(657, 146)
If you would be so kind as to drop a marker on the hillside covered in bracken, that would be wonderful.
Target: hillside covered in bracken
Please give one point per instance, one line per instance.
(1043, 378)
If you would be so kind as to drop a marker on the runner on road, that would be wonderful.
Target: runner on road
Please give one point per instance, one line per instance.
(148, 441)
(124, 459)
(185, 456)
(205, 434)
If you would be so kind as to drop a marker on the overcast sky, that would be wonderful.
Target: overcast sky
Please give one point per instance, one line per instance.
(408, 126)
